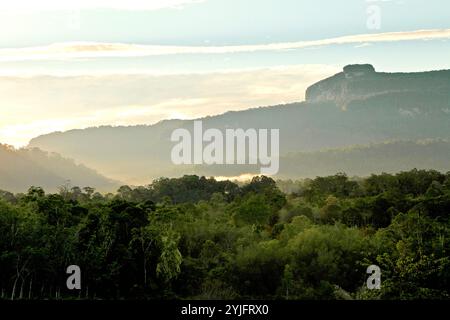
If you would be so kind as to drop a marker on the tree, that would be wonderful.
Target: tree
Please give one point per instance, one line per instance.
(169, 263)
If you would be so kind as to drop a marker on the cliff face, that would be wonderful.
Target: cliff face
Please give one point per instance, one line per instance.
(359, 82)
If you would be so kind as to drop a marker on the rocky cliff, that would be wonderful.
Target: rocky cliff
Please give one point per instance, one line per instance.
(359, 82)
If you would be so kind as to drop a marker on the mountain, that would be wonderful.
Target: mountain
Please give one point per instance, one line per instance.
(361, 82)
(23, 168)
(357, 106)
(358, 160)
(389, 157)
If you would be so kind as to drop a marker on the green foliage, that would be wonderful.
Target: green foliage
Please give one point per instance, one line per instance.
(194, 237)
(169, 262)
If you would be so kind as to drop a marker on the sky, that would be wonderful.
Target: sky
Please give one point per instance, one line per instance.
(75, 64)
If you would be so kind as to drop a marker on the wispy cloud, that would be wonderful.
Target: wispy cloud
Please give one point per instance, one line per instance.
(77, 50)
(363, 45)
(56, 5)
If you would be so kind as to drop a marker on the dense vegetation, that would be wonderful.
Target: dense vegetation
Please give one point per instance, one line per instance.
(21, 168)
(195, 237)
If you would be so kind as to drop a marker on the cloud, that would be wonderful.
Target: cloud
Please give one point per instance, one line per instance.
(37, 105)
(363, 45)
(56, 5)
(77, 50)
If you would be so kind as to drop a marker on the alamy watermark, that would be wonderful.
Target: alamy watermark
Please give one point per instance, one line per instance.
(74, 20)
(235, 146)
(74, 280)
(373, 14)
(374, 280)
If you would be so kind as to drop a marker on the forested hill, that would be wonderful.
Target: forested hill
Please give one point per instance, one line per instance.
(383, 107)
(23, 168)
(359, 82)
(360, 161)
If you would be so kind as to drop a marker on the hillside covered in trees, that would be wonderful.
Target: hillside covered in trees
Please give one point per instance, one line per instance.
(194, 237)
(358, 160)
(21, 168)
